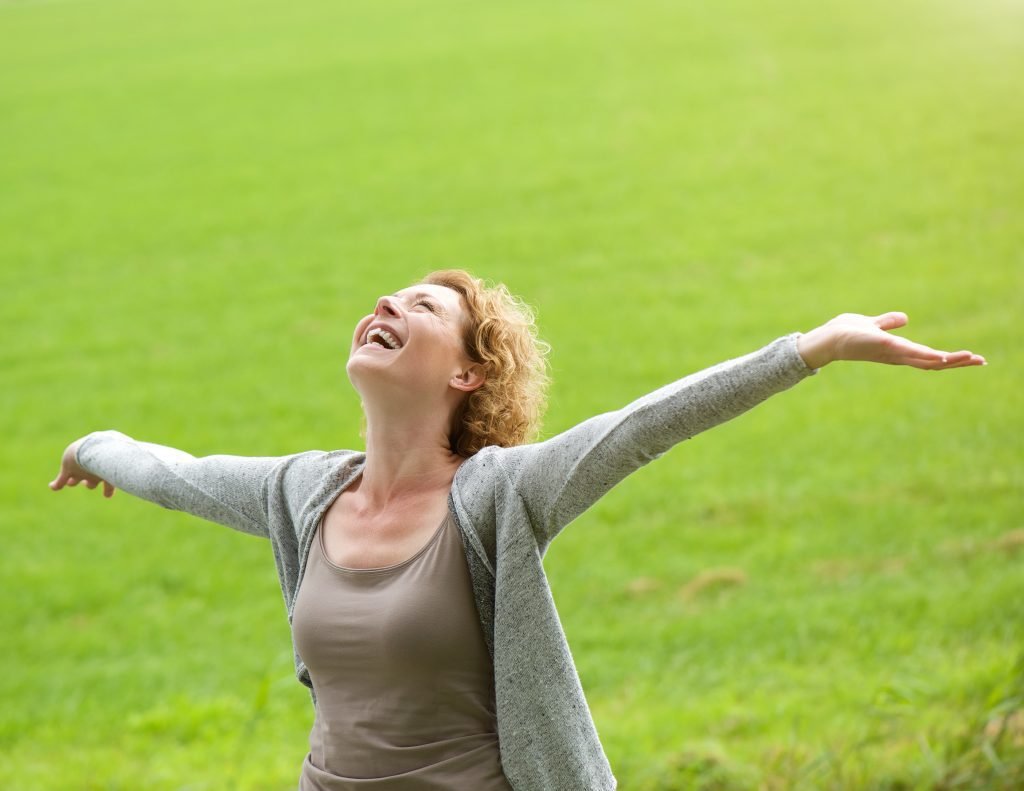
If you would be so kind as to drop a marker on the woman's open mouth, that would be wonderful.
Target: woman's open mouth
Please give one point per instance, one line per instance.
(382, 339)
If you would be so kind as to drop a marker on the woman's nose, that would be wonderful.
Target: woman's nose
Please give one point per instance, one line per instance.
(386, 306)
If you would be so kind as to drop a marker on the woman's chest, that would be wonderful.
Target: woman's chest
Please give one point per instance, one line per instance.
(354, 541)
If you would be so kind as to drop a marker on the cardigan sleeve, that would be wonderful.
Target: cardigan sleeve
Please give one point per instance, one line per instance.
(561, 477)
(228, 490)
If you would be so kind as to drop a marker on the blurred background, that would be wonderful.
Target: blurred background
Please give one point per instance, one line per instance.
(199, 200)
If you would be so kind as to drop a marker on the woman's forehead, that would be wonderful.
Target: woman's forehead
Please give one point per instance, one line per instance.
(443, 293)
(429, 289)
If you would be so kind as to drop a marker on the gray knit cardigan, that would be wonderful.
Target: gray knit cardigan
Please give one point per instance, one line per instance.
(508, 503)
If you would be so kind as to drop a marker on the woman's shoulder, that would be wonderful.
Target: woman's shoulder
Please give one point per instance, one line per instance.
(480, 482)
(313, 465)
(300, 474)
(479, 469)
(302, 483)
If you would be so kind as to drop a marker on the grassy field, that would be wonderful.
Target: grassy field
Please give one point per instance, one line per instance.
(199, 200)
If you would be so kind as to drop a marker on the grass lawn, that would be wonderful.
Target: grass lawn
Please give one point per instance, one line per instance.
(199, 200)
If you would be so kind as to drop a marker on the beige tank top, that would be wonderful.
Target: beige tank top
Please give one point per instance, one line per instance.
(403, 680)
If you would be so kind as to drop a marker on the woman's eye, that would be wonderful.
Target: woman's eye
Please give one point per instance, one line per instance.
(424, 302)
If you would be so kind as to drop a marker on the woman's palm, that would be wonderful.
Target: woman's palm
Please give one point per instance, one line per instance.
(859, 337)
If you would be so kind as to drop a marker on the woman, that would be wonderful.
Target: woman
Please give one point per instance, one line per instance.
(421, 617)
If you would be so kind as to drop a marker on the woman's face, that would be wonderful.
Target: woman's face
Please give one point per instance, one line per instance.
(426, 320)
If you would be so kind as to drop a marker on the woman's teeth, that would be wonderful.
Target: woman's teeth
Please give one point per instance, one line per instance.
(385, 338)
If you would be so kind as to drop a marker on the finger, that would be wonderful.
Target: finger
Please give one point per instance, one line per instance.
(108, 490)
(72, 481)
(891, 320)
(917, 362)
(921, 350)
(969, 360)
(955, 358)
(973, 359)
(91, 484)
(908, 353)
(904, 351)
(929, 365)
(949, 361)
(945, 360)
(963, 357)
(909, 349)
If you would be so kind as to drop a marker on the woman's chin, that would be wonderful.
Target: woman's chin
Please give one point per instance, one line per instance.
(363, 359)
(375, 350)
(364, 353)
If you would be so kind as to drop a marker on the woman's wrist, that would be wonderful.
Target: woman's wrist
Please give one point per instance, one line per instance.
(815, 347)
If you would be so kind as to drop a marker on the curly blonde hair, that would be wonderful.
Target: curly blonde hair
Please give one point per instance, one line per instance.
(500, 333)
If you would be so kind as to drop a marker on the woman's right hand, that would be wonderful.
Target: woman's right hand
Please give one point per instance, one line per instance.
(72, 474)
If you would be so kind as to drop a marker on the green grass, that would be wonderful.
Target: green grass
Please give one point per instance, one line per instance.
(199, 200)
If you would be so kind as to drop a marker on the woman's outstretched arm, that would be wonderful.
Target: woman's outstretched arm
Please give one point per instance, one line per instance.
(227, 490)
(559, 478)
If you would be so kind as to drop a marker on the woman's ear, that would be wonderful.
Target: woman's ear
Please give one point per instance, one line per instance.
(470, 378)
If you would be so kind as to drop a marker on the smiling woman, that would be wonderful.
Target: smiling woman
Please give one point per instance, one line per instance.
(422, 619)
(487, 338)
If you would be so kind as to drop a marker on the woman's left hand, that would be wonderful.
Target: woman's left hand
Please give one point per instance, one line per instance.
(851, 336)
